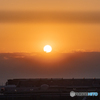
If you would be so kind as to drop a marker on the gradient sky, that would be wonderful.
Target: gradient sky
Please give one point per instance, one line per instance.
(66, 5)
(66, 25)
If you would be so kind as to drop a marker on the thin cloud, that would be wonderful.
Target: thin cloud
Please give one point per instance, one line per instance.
(5, 58)
(18, 56)
(80, 64)
(49, 17)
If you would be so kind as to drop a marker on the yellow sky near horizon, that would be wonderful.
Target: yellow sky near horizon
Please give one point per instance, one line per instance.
(62, 37)
(27, 32)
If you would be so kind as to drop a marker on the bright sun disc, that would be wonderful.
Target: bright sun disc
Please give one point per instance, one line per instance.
(47, 48)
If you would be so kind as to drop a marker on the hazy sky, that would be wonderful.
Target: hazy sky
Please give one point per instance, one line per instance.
(66, 25)
(68, 5)
(63, 65)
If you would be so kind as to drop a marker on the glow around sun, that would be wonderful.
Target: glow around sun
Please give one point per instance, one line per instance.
(47, 48)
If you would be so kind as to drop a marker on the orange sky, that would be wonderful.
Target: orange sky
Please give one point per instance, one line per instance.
(66, 5)
(28, 32)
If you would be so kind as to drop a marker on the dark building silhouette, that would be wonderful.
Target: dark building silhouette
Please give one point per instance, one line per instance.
(49, 88)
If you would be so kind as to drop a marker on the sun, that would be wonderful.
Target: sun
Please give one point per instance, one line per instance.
(47, 48)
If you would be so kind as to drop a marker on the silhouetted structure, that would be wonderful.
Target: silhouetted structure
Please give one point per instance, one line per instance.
(43, 89)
